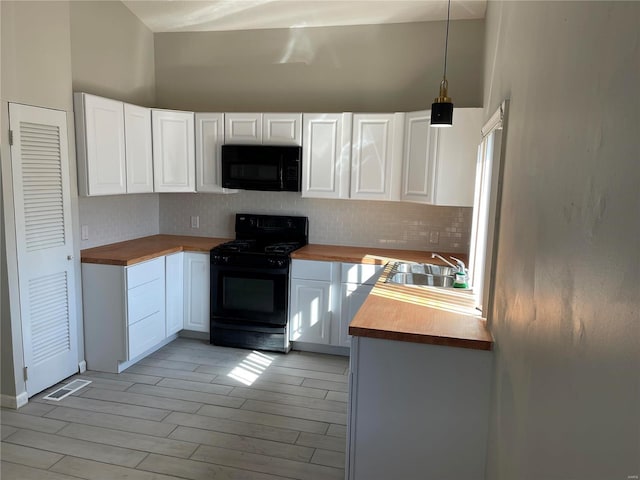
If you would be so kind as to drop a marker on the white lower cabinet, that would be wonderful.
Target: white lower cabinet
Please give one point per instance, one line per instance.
(310, 301)
(430, 402)
(196, 291)
(324, 298)
(174, 292)
(124, 313)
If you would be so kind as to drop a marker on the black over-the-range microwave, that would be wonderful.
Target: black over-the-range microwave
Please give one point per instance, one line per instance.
(262, 167)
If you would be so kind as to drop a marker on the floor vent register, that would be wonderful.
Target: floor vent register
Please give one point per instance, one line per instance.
(67, 390)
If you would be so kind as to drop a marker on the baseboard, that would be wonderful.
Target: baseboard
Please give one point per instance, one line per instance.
(82, 366)
(14, 402)
(320, 348)
(193, 334)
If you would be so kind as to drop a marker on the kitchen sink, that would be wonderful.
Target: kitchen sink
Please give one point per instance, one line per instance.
(421, 274)
(421, 279)
(424, 269)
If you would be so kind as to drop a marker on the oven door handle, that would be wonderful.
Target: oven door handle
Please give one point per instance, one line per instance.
(242, 269)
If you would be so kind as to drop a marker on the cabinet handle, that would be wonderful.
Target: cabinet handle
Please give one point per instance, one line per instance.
(69, 257)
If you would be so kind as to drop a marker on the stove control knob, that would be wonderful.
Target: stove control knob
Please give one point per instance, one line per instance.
(225, 259)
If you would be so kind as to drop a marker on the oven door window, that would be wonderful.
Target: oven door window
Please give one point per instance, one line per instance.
(241, 295)
(250, 294)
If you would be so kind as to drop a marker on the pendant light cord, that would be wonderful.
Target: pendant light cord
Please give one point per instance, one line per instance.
(446, 42)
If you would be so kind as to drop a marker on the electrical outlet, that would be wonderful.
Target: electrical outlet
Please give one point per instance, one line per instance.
(84, 232)
(434, 238)
(195, 221)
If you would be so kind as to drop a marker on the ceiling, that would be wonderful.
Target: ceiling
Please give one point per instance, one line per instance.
(221, 15)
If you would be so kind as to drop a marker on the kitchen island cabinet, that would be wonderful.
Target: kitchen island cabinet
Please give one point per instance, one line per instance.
(430, 402)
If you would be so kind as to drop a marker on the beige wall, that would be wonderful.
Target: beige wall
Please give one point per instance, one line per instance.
(566, 397)
(112, 56)
(36, 70)
(111, 52)
(367, 68)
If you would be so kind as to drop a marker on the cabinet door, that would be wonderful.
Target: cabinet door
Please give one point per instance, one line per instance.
(196, 291)
(352, 297)
(173, 151)
(455, 167)
(282, 129)
(139, 153)
(209, 141)
(376, 158)
(174, 292)
(101, 146)
(243, 128)
(420, 146)
(309, 314)
(326, 155)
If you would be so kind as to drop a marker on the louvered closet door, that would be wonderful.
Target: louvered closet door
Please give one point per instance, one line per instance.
(40, 164)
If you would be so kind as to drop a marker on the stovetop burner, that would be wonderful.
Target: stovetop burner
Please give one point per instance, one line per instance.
(262, 241)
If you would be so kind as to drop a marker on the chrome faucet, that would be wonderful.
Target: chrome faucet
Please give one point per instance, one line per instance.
(460, 267)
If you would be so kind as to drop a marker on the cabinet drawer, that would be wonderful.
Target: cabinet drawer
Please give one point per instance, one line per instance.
(145, 334)
(145, 300)
(360, 273)
(145, 272)
(311, 270)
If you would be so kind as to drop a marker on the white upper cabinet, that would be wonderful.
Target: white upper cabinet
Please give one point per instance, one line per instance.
(243, 128)
(209, 141)
(173, 151)
(101, 145)
(326, 155)
(282, 129)
(420, 147)
(263, 128)
(376, 156)
(440, 163)
(139, 153)
(454, 169)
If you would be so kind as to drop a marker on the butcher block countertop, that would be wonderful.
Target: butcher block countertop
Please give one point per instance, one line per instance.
(146, 248)
(427, 315)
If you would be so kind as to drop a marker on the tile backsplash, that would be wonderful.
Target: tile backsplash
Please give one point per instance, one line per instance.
(116, 218)
(334, 222)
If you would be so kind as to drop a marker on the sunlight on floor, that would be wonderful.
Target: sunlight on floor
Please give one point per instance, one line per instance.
(250, 369)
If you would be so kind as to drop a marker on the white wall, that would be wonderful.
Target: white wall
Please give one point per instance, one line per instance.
(566, 396)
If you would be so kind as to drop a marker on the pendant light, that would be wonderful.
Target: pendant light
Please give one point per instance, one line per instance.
(442, 106)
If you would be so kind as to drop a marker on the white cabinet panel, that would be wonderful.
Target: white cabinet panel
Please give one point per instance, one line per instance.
(101, 145)
(455, 167)
(145, 334)
(144, 272)
(352, 296)
(376, 157)
(420, 147)
(173, 151)
(326, 155)
(145, 300)
(139, 152)
(196, 291)
(311, 270)
(310, 316)
(243, 128)
(174, 292)
(362, 273)
(209, 141)
(282, 129)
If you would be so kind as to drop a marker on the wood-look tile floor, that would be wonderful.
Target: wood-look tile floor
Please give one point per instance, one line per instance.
(190, 410)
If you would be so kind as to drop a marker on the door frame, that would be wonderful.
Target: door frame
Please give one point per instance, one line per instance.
(12, 327)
